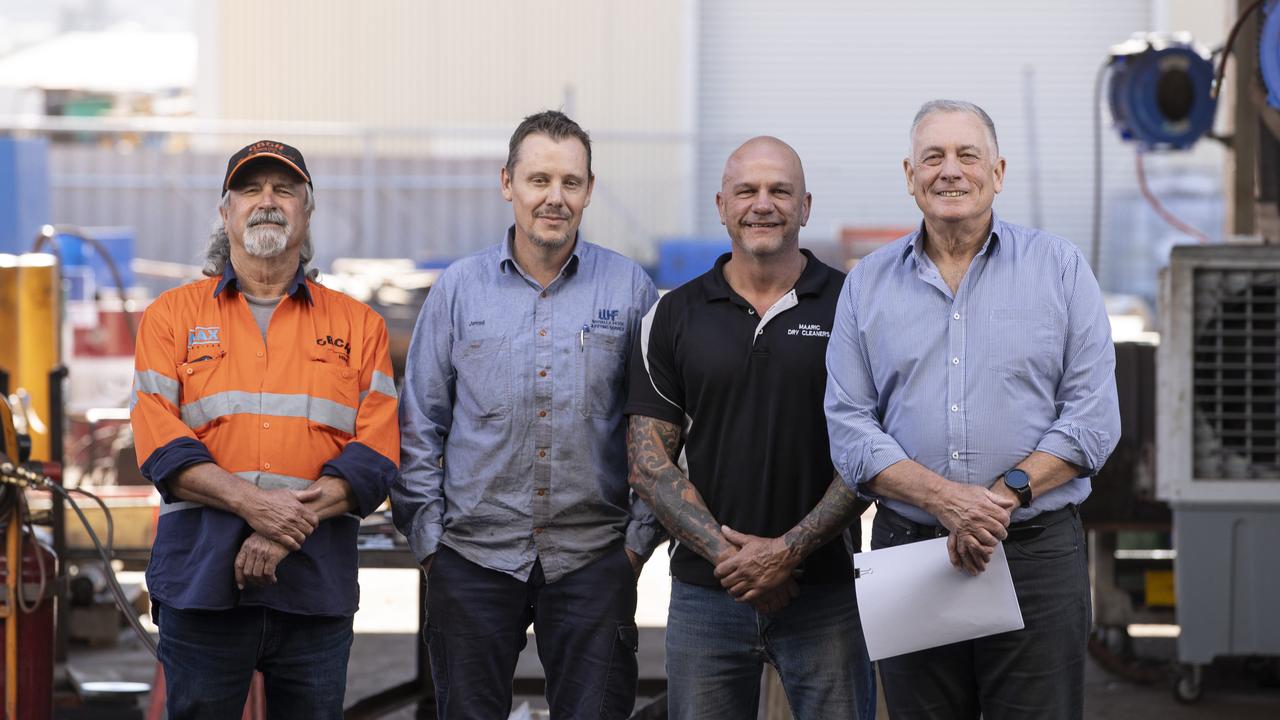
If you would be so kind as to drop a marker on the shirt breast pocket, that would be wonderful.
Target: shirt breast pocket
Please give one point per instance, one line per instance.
(483, 366)
(196, 376)
(600, 366)
(334, 395)
(1023, 342)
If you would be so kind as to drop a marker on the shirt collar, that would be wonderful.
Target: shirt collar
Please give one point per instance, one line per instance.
(297, 288)
(810, 282)
(507, 260)
(915, 243)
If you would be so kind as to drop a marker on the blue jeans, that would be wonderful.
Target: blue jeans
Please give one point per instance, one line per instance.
(477, 620)
(209, 657)
(717, 647)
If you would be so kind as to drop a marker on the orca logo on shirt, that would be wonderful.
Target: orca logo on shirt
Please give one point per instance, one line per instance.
(200, 335)
(338, 343)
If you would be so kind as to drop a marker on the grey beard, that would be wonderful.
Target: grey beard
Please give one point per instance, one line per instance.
(266, 240)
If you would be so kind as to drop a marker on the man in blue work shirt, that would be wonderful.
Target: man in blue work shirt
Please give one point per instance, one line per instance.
(514, 495)
(972, 393)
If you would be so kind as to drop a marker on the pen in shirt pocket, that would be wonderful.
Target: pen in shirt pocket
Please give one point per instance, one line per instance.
(582, 336)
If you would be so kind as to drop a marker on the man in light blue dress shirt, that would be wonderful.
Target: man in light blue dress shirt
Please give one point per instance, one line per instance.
(514, 492)
(972, 393)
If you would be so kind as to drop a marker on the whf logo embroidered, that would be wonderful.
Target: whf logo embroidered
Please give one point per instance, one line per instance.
(608, 315)
(203, 336)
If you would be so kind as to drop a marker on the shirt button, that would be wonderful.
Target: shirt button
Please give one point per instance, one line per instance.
(260, 353)
(189, 371)
(955, 316)
(266, 466)
(537, 531)
(542, 453)
(542, 332)
(955, 456)
(955, 361)
(266, 425)
(542, 294)
(542, 413)
(541, 492)
(542, 373)
(751, 311)
(955, 408)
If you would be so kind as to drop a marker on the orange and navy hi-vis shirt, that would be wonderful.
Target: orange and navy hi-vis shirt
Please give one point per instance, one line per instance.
(316, 398)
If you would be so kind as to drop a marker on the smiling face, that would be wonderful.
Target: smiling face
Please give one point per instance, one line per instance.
(265, 215)
(954, 171)
(548, 188)
(762, 199)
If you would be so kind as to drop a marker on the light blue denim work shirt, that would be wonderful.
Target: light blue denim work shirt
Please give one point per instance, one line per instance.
(968, 384)
(513, 441)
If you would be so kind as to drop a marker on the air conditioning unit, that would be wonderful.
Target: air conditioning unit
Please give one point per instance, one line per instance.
(1218, 448)
(1219, 365)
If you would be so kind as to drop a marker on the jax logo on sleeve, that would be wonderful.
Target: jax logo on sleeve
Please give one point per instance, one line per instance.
(200, 335)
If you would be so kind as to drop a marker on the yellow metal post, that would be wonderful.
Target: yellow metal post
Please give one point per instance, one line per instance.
(38, 331)
(9, 314)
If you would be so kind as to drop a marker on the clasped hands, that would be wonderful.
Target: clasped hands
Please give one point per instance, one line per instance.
(978, 519)
(757, 570)
(281, 521)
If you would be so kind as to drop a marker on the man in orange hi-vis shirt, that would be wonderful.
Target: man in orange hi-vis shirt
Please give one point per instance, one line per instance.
(264, 411)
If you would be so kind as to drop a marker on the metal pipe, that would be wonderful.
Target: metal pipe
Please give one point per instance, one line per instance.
(57, 433)
(13, 577)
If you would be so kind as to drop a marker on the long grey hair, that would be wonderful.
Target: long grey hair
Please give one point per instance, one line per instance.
(218, 254)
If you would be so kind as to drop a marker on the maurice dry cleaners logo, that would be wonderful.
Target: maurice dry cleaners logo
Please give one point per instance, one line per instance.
(200, 335)
(809, 330)
(608, 319)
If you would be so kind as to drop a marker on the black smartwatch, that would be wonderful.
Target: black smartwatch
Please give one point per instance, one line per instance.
(1018, 481)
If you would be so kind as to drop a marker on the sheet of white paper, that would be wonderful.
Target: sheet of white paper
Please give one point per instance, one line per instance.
(910, 598)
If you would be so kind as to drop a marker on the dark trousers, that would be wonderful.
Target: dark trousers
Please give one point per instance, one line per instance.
(584, 622)
(209, 657)
(1036, 672)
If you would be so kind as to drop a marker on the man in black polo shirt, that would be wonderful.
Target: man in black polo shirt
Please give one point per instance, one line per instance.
(733, 366)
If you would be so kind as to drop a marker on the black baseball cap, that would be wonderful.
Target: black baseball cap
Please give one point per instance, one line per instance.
(269, 149)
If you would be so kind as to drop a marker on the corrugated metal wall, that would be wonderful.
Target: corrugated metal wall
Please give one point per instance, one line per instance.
(425, 208)
(479, 67)
(841, 82)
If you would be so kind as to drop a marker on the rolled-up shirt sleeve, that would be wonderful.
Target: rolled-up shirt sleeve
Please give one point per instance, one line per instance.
(1088, 424)
(426, 416)
(860, 448)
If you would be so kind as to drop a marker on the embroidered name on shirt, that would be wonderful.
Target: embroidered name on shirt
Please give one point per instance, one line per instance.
(476, 323)
(809, 331)
(203, 336)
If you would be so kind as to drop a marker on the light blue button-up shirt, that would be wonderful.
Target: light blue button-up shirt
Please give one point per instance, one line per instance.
(968, 384)
(513, 443)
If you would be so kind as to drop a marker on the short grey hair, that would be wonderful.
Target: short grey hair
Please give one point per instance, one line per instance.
(218, 254)
(934, 107)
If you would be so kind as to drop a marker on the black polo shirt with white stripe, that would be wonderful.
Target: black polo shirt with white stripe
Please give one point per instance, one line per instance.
(748, 391)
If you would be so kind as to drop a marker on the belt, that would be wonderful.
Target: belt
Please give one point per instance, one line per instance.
(1019, 531)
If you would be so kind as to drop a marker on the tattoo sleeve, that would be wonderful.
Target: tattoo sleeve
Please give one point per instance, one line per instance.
(839, 507)
(652, 448)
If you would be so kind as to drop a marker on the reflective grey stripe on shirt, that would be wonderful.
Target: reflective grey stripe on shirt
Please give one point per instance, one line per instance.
(264, 480)
(234, 402)
(381, 383)
(150, 381)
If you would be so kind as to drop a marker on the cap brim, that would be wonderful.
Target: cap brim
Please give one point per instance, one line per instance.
(257, 156)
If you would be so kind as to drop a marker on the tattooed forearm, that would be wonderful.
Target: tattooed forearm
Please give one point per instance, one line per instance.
(652, 448)
(838, 507)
